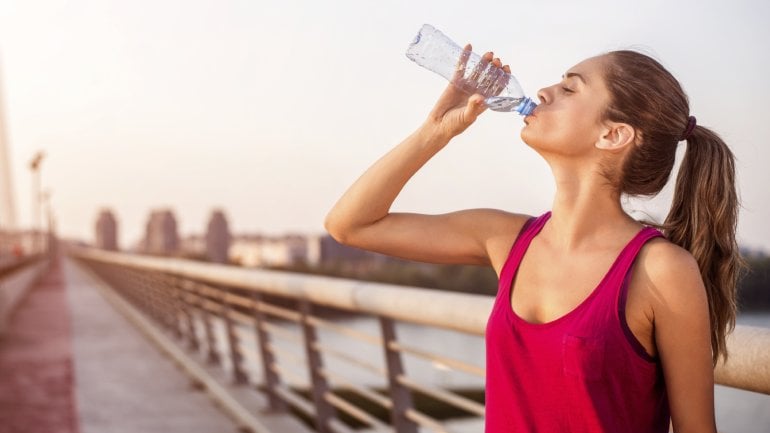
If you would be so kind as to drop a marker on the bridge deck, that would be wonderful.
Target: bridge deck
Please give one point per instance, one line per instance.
(123, 383)
(71, 363)
(36, 376)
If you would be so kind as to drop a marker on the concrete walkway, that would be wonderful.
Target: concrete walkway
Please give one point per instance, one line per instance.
(36, 362)
(69, 363)
(123, 383)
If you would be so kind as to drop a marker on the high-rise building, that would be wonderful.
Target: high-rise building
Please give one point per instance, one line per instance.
(217, 238)
(106, 231)
(161, 236)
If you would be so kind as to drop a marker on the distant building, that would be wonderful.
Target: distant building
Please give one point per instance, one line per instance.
(263, 251)
(332, 251)
(311, 250)
(161, 235)
(217, 238)
(106, 231)
(192, 246)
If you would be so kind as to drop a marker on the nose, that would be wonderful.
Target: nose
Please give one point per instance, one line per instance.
(543, 96)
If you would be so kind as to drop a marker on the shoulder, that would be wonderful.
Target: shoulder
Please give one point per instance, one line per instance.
(501, 229)
(493, 222)
(670, 275)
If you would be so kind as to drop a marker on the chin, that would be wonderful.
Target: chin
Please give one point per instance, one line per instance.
(528, 137)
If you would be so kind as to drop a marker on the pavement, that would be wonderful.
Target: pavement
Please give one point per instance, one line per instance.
(70, 363)
(36, 362)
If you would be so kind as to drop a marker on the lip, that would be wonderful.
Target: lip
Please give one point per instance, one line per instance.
(528, 118)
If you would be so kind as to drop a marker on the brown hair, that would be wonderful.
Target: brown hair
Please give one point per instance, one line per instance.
(704, 210)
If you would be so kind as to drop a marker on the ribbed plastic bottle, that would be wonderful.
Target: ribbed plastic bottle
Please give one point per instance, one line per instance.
(434, 51)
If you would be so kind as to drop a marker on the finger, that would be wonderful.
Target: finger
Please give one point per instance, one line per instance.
(491, 86)
(489, 83)
(500, 82)
(474, 107)
(485, 59)
(489, 74)
(462, 62)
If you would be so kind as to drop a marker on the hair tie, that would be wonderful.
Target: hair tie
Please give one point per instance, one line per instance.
(690, 128)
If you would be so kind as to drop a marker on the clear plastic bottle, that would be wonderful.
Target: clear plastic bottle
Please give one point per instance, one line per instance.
(434, 51)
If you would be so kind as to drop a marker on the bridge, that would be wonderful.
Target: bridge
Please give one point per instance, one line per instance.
(110, 342)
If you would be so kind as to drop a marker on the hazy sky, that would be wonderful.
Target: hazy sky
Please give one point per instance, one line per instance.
(271, 109)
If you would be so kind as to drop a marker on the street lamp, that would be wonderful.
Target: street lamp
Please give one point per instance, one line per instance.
(34, 166)
(47, 213)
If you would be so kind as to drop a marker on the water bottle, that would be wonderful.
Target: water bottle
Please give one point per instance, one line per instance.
(433, 50)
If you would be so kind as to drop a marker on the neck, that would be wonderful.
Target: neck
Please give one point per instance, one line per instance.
(586, 209)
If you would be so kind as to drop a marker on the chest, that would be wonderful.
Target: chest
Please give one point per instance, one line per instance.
(548, 286)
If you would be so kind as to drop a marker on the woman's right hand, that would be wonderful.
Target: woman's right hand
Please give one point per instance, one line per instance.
(456, 109)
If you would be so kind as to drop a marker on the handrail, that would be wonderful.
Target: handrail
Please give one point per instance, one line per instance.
(748, 366)
(748, 363)
(457, 311)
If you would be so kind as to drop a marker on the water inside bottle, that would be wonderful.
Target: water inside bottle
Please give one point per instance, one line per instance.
(507, 104)
(502, 103)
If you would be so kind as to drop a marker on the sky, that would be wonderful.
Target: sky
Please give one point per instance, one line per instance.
(271, 109)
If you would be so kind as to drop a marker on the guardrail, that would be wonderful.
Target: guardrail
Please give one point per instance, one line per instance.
(273, 329)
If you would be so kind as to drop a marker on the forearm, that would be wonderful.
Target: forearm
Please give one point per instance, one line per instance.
(369, 199)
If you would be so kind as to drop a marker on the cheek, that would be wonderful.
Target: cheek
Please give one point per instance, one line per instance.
(564, 133)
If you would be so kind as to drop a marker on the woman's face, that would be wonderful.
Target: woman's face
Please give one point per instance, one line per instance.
(568, 120)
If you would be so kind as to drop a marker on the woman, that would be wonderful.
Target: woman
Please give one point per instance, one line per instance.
(600, 323)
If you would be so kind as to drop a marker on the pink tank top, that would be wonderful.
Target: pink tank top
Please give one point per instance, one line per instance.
(582, 372)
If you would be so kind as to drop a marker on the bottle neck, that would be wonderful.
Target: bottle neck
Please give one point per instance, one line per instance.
(525, 107)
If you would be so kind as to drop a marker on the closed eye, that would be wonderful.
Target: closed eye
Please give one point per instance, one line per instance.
(567, 90)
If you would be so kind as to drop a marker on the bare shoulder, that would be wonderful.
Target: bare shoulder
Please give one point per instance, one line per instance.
(670, 274)
(500, 219)
(502, 229)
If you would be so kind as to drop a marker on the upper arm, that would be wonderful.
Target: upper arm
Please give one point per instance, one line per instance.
(474, 236)
(682, 334)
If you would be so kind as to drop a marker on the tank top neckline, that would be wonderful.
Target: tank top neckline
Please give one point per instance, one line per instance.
(526, 240)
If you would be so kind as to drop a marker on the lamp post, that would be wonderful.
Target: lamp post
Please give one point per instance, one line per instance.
(45, 199)
(34, 166)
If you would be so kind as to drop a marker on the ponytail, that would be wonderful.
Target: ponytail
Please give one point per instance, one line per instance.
(703, 219)
(704, 211)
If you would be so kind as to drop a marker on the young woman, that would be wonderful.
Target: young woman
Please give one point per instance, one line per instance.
(601, 324)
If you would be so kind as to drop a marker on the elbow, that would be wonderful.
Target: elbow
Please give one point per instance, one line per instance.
(336, 228)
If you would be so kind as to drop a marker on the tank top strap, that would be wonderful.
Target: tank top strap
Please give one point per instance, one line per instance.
(618, 276)
(627, 257)
(621, 278)
(614, 284)
(528, 232)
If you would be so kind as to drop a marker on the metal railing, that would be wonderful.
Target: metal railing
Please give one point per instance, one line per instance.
(283, 333)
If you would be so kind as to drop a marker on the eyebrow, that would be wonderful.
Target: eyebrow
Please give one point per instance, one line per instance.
(575, 74)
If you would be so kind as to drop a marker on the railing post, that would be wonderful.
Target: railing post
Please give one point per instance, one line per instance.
(175, 305)
(192, 335)
(236, 359)
(401, 396)
(212, 356)
(157, 287)
(324, 411)
(271, 377)
(153, 307)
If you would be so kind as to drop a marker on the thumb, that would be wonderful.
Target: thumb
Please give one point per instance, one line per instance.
(475, 106)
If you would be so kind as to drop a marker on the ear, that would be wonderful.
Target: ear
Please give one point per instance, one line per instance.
(616, 137)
